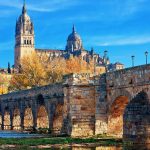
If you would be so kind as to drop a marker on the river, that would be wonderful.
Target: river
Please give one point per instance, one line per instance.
(10, 134)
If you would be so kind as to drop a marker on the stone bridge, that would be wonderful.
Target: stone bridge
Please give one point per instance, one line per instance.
(116, 103)
(32, 109)
(123, 104)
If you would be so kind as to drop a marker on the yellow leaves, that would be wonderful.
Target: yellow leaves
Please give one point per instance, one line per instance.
(40, 70)
(3, 89)
(4, 83)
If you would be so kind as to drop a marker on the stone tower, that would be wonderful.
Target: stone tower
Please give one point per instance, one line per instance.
(74, 42)
(24, 37)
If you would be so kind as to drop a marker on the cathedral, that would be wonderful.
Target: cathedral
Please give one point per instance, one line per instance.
(25, 44)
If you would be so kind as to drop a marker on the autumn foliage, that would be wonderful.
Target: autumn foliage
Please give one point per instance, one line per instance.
(4, 83)
(40, 71)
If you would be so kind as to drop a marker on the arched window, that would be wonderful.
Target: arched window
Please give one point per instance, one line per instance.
(24, 41)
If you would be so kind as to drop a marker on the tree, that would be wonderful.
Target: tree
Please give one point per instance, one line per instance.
(4, 83)
(32, 74)
(40, 70)
(9, 69)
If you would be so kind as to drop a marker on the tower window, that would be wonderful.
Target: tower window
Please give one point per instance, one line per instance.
(27, 41)
(24, 41)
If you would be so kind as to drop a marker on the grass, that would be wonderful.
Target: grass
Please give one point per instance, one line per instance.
(58, 140)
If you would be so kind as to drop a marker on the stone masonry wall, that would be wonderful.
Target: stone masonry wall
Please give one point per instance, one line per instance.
(41, 101)
(49, 90)
(79, 99)
(126, 84)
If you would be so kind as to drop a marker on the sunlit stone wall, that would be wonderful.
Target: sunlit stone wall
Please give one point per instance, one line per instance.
(79, 100)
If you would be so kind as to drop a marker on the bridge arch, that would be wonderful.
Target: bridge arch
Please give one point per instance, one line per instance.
(16, 119)
(7, 121)
(137, 119)
(42, 117)
(42, 113)
(28, 118)
(115, 113)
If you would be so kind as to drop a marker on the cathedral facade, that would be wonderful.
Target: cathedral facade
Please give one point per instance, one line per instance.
(25, 44)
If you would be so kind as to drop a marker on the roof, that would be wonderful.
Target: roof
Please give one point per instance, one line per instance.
(118, 63)
(49, 50)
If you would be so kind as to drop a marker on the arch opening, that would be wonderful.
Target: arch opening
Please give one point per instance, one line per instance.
(7, 123)
(28, 119)
(42, 118)
(16, 120)
(137, 120)
(115, 116)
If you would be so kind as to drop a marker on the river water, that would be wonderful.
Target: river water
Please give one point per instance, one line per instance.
(10, 134)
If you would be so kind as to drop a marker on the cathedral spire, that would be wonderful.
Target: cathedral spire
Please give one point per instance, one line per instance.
(24, 10)
(73, 29)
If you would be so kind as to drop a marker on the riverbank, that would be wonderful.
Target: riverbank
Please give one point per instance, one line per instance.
(56, 142)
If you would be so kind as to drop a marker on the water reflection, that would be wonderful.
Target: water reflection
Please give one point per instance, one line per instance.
(91, 148)
(135, 147)
(98, 148)
(10, 134)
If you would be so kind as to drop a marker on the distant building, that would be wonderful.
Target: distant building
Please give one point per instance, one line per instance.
(25, 44)
(116, 66)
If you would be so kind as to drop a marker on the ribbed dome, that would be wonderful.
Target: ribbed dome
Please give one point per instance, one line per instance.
(74, 42)
(74, 36)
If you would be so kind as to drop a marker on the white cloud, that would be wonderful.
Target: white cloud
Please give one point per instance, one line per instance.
(41, 6)
(110, 10)
(118, 40)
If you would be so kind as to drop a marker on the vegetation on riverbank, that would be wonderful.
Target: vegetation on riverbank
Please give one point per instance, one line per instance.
(58, 140)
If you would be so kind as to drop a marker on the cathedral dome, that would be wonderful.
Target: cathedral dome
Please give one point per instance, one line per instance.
(74, 41)
(74, 36)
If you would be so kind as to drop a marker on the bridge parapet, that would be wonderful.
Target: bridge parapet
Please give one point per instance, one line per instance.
(79, 79)
(129, 77)
(52, 90)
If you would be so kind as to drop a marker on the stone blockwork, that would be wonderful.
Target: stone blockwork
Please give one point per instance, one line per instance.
(116, 99)
(34, 108)
(79, 100)
(83, 105)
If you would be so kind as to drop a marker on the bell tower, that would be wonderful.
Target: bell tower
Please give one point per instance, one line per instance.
(24, 36)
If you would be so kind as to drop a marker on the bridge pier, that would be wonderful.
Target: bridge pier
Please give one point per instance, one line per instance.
(2, 126)
(11, 121)
(22, 121)
(34, 121)
(51, 117)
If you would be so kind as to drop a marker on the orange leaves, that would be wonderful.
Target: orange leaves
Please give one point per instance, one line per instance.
(42, 70)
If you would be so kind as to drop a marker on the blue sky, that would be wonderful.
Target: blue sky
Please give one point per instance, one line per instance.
(120, 26)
